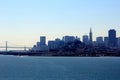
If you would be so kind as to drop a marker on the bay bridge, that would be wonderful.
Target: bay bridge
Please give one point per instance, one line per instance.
(8, 47)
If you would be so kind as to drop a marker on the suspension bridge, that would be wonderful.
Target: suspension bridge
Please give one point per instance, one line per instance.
(8, 47)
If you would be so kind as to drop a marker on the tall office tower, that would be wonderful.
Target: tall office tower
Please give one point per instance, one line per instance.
(99, 41)
(90, 37)
(85, 39)
(118, 42)
(41, 46)
(112, 38)
(42, 40)
(106, 39)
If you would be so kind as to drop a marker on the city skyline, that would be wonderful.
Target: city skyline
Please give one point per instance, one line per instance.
(90, 38)
(86, 38)
(110, 42)
(22, 22)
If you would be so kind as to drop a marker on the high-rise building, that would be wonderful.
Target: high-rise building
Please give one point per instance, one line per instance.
(99, 41)
(85, 39)
(55, 44)
(77, 38)
(106, 39)
(90, 37)
(118, 42)
(67, 39)
(42, 40)
(112, 38)
(41, 46)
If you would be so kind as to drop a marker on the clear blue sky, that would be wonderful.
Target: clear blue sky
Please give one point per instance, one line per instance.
(23, 21)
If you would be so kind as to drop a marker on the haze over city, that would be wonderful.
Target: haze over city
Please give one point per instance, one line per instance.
(24, 21)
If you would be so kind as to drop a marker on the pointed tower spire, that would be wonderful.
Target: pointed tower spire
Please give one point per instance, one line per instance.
(90, 37)
(90, 29)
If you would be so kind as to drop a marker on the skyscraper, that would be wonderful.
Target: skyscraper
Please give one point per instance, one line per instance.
(118, 42)
(112, 38)
(85, 39)
(42, 40)
(41, 46)
(106, 39)
(99, 41)
(67, 39)
(90, 37)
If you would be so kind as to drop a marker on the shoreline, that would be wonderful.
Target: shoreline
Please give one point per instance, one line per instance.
(63, 54)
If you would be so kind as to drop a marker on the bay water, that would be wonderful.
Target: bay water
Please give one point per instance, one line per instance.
(59, 68)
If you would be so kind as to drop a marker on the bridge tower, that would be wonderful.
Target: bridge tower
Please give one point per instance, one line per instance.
(6, 46)
(25, 48)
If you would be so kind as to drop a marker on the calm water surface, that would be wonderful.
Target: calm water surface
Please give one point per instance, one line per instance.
(59, 68)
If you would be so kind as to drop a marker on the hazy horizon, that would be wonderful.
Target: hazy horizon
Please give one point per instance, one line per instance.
(24, 21)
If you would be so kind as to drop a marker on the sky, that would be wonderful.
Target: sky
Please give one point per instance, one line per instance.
(22, 22)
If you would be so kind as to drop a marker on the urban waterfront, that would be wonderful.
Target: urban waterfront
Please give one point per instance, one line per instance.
(59, 68)
(71, 46)
(59, 40)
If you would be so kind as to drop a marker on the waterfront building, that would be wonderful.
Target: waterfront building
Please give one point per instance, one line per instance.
(51, 45)
(55, 44)
(42, 40)
(106, 41)
(41, 46)
(67, 39)
(112, 38)
(99, 41)
(85, 39)
(77, 38)
(90, 37)
(118, 42)
(94, 43)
